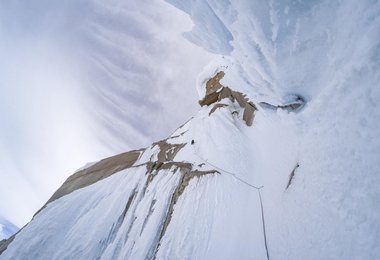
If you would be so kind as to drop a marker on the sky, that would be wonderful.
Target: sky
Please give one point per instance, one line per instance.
(83, 80)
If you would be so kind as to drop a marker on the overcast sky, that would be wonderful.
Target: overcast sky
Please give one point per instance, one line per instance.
(82, 80)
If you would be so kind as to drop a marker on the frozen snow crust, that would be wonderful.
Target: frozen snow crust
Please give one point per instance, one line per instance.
(196, 195)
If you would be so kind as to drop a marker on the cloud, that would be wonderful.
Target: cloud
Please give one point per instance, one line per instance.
(84, 80)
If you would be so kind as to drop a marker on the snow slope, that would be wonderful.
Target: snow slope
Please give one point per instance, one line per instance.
(295, 184)
(7, 229)
(130, 209)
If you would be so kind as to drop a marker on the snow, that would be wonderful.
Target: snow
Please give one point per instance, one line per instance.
(327, 52)
(7, 229)
(87, 165)
(103, 203)
(209, 30)
(218, 233)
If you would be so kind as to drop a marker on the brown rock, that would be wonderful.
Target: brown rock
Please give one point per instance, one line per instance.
(168, 151)
(215, 107)
(213, 84)
(248, 115)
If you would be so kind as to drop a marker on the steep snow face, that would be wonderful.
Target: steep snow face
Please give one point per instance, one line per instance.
(171, 203)
(280, 162)
(199, 194)
(7, 229)
(326, 52)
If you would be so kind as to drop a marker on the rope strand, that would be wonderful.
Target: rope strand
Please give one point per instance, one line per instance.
(263, 221)
(230, 173)
(252, 186)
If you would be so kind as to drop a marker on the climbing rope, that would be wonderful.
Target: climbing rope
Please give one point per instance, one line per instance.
(250, 185)
(230, 173)
(263, 221)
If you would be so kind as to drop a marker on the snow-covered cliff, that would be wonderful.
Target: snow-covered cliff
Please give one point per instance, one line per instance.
(280, 162)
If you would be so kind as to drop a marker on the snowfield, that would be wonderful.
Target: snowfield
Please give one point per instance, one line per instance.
(296, 184)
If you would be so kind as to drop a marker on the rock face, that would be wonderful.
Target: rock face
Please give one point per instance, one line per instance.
(213, 84)
(97, 172)
(216, 92)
